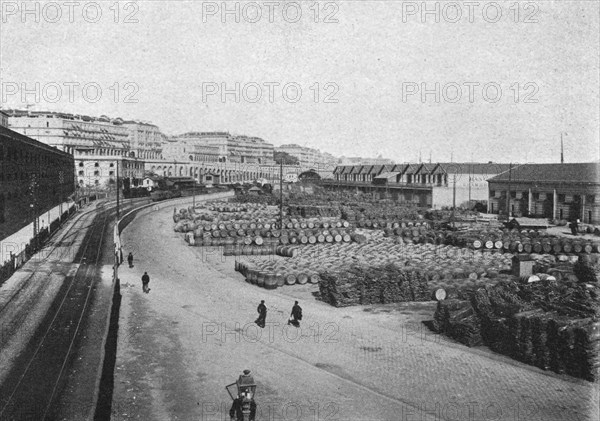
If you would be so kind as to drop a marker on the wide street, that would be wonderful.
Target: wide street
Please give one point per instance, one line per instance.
(192, 335)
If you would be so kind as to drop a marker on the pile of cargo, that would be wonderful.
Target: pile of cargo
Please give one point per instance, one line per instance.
(550, 324)
(262, 199)
(442, 266)
(312, 211)
(379, 211)
(359, 284)
(513, 241)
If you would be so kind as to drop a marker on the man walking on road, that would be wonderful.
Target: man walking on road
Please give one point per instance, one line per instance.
(296, 315)
(145, 282)
(130, 259)
(262, 314)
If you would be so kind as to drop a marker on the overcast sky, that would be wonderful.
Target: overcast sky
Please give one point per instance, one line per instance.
(367, 60)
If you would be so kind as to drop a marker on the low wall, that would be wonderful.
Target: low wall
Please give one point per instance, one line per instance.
(103, 395)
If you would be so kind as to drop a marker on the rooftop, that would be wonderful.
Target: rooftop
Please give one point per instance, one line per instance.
(587, 172)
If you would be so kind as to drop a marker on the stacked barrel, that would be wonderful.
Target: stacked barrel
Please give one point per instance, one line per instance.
(443, 266)
(524, 241)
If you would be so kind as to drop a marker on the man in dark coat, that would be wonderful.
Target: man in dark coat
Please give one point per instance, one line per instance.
(130, 259)
(296, 315)
(145, 282)
(262, 314)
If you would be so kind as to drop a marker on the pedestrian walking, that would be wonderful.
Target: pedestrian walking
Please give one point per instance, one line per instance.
(296, 315)
(145, 282)
(262, 314)
(130, 259)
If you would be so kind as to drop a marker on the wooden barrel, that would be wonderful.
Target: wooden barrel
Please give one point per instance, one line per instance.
(290, 279)
(251, 274)
(536, 247)
(284, 239)
(279, 279)
(312, 239)
(329, 239)
(304, 239)
(477, 244)
(346, 238)
(320, 238)
(577, 247)
(439, 294)
(302, 278)
(498, 244)
(270, 281)
(527, 248)
(587, 248)
(314, 278)
(547, 247)
(489, 244)
(567, 247)
(260, 278)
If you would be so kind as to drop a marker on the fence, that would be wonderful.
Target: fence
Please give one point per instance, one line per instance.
(34, 245)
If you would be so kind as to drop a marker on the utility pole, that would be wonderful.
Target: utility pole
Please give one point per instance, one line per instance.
(470, 177)
(281, 193)
(508, 193)
(194, 192)
(453, 199)
(562, 150)
(117, 189)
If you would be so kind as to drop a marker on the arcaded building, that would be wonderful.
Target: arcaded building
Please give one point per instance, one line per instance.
(555, 191)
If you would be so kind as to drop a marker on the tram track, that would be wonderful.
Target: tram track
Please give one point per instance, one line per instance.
(30, 390)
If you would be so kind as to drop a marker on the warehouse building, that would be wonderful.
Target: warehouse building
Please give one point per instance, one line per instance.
(555, 191)
(34, 178)
(434, 185)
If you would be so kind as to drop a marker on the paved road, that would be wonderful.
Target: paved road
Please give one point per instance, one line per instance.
(192, 334)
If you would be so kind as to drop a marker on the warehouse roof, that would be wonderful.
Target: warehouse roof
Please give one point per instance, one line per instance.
(388, 175)
(587, 172)
(473, 167)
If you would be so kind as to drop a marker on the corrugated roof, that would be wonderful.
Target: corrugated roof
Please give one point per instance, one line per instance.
(556, 173)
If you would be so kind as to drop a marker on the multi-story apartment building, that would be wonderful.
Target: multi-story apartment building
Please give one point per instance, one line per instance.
(145, 140)
(74, 134)
(238, 149)
(98, 145)
(183, 149)
(309, 158)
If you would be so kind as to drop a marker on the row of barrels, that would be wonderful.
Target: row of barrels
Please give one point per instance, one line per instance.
(271, 280)
(393, 225)
(527, 245)
(273, 224)
(254, 250)
(286, 236)
(283, 240)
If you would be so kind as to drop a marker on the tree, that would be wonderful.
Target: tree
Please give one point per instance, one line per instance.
(286, 158)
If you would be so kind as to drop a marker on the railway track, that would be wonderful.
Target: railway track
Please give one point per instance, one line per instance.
(32, 387)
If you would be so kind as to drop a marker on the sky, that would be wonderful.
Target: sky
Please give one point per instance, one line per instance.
(480, 81)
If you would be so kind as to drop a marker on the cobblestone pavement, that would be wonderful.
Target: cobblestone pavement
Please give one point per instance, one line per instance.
(193, 334)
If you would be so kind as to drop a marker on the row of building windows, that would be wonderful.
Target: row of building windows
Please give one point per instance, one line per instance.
(563, 198)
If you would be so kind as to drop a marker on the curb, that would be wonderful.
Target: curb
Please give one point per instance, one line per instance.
(104, 373)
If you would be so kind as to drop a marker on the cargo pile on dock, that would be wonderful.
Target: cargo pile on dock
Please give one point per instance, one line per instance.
(550, 324)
